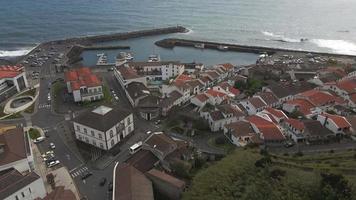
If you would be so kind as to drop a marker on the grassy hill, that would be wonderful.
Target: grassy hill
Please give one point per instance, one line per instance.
(246, 174)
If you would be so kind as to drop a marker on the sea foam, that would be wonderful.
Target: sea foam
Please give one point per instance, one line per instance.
(337, 46)
(279, 38)
(15, 53)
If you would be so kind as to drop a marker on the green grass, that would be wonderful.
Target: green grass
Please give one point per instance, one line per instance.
(31, 92)
(34, 133)
(106, 100)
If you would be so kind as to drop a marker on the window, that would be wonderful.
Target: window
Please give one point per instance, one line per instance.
(29, 189)
(85, 130)
(92, 98)
(129, 120)
(16, 197)
(92, 133)
(111, 134)
(23, 195)
(100, 136)
(101, 145)
(86, 140)
(94, 142)
(78, 127)
(129, 129)
(112, 142)
(99, 89)
(95, 90)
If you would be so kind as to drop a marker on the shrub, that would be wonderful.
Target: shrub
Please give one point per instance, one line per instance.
(34, 133)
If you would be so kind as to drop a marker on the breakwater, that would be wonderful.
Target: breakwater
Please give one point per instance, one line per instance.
(172, 42)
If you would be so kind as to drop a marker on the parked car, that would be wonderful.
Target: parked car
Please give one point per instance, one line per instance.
(157, 122)
(49, 97)
(148, 132)
(102, 182)
(52, 146)
(86, 175)
(110, 186)
(39, 139)
(288, 144)
(53, 163)
(116, 97)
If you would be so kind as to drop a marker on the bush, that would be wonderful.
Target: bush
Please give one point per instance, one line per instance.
(298, 154)
(263, 162)
(34, 133)
(181, 169)
(277, 174)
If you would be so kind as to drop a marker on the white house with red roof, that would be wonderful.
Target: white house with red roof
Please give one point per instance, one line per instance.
(216, 97)
(200, 100)
(303, 106)
(276, 115)
(268, 131)
(12, 80)
(254, 105)
(226, 88)
(345, 88)
(335, 123)
(294, 129)
(84, 85)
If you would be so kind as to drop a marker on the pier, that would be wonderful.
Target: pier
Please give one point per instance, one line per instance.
(173, 42)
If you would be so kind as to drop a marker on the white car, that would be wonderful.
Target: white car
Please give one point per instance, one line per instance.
(39, 139)
(148, 132)
(52, 146)
(116, 98)
(53, 163)
(49, 97)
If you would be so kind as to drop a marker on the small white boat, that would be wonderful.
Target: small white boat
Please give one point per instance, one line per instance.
(102, 60)
(154, 58)
(199, 46)
(223, 48)
(100, 54)
(124, 56)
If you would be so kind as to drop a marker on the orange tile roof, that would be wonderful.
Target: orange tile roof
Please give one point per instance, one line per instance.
(340, 121)
(214, 93)
(278, 113)
(184, 77)
(348, 85)
(227, 66)
(295, 123)
(226, 86)
(202, 97)
(7, 71)
(319, 98)
(81, 77)
(268, 129)
(304, 106)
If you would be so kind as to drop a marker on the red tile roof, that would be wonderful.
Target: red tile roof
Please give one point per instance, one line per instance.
(277, 113)
(226, 86)
(214, 93)
(319, 98)
(257, 102)
(227, 66)
(202, 97)
(268, 129)
(184, 77)
(166, 178)
(304, 106)
(7, 71)
(295, 123)
(340, 121)
(81, 77)
(128, 73)
(353, 98)
(348, 85)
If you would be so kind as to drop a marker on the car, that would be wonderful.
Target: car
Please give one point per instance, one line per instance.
(102, 182)
(157, 122)
(49, 159)
(116, 98)
(110, 187)
(52, 146)
(148, 132)
(49, 97)
(86, 175)
(288, 144)
(39, 139)
(52, 163)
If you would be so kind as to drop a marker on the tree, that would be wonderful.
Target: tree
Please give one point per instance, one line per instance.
(334, 186)
(181, 169)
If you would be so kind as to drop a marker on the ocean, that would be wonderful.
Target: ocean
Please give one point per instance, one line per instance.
(326, 26)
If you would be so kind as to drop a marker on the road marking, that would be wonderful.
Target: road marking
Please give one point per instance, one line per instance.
(44, 106)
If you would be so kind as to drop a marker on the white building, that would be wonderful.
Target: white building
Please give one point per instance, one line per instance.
(127, 75)
(84, 85)
(15, 150)
(17, 186)
(335, 123)
(103, 127)
(12, 80)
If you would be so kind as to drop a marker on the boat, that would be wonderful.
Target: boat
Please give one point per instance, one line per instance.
(199, 45)
(154, 58)
(124, 56)
(102, 60)
(223, 48)
(100, 54)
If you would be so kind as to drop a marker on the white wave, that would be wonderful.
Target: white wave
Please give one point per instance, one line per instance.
(337, 46)
(190, 31)
(279, 38)
(15, 53)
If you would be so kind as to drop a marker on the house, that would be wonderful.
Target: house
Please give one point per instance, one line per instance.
(222, 115)
(276, 115)
(135, 91)
(193, 67)
(173, 99)
(143, 160)
(321, 99)
(15, 185)
(126, 75)
(335, 123)
(294, 129)
(315, 132)
(83, 85)
(200, 100)
(157, 71)
(268, 131)
(344, 88)
(12, 80)
(103, 127)
(254, 105)
(15, 150)
(269, 99)
(226, 88)
(130, 184)
(216, 97)
(166, 185)
(303, 106)
(149, 107)
(240, 133)
(160, 145)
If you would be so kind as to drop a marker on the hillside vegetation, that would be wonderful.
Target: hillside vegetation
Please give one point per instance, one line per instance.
(248, 174)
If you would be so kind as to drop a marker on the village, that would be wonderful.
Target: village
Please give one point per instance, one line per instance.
(155, 123)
